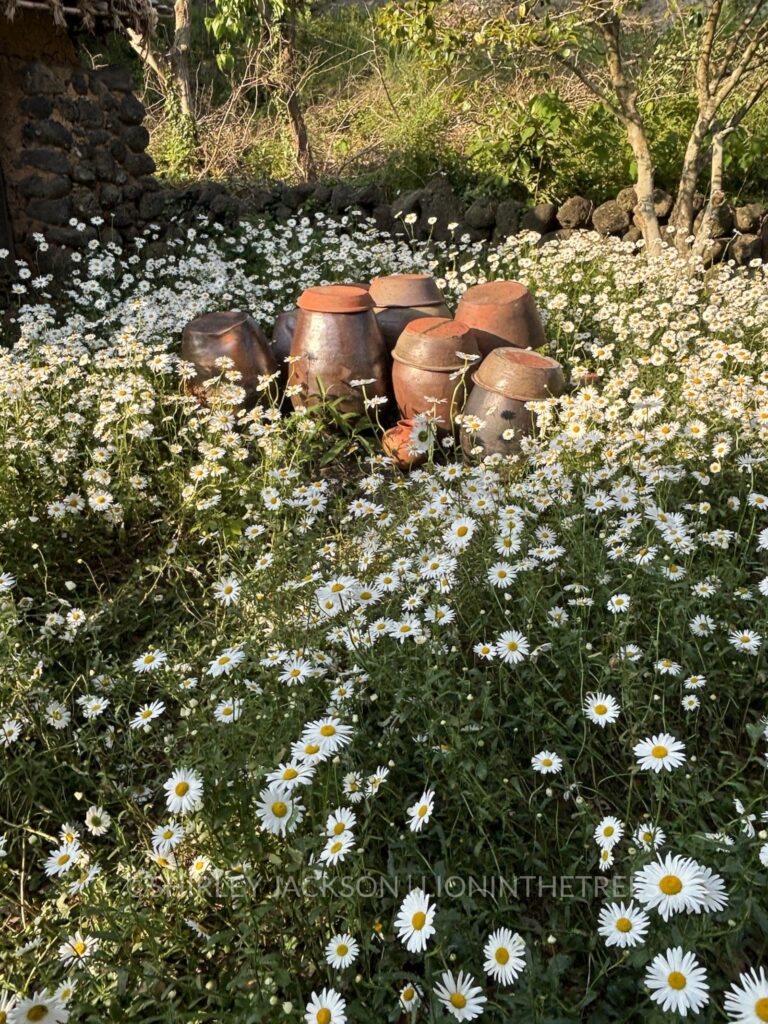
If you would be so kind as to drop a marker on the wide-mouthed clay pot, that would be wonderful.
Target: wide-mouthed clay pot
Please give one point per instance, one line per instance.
(432, 364)
(401, 298)
(501, 313)
(337, 341)
(398, 444)
(236, 335)
(505, 380)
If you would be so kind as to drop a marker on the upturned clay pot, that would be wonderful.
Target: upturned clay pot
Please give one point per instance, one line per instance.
(501, 313)
(233, 334)
(401, 298)
(427, 372)
(397, 443)
(337, 341)
(505, 380)
(515, 373)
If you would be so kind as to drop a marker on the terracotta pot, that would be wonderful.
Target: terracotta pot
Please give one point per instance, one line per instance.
(393, 320)
(336, 341)
(426, 374)
(282, 336)
(397, 442)
(401, 298)
(501, 313)
(405, 290)
(519, 374)
(505, 380)
(234, 334)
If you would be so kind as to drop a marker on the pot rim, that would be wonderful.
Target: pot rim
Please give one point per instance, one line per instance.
(193, 326)
(335, 298)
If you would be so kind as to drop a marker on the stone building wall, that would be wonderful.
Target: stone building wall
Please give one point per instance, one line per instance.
(72, 142)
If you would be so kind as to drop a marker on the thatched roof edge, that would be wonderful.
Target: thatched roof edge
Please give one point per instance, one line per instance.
(95, 15)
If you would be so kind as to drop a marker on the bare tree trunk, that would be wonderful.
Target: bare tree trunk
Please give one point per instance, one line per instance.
(179, 56)
(716, 194)
(645, 211)
(682, 214)
(304, 156)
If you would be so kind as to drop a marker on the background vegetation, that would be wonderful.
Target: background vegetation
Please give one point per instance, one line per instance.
(378, 108)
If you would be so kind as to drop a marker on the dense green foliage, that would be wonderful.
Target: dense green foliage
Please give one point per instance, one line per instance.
(379, 107)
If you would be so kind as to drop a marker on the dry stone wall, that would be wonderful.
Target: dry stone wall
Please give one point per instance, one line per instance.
(74, 148)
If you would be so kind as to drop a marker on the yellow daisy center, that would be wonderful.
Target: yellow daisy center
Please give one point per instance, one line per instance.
(659, 752)
(501, 955)
(676, 980)
(337, 847)
(600, 709)
(670, 885)
(338, 828)
(458, 1000)
(289, 774)
(327, 730)
(623, 924)
(323, 1016)
(761, 1008)
(181, 788)
(311, 748)
(279, 809)
(408, 995)
(63, 858)
(423, 810)
(418, 920)
(462, 531)
(342, 949)
(38, 1012)
(547, 762)
(337, 588)
(79, 948)
(608, 830)
(227, 711)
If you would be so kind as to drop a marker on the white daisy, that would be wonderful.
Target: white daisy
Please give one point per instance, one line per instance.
(746, 1002)
(414, 921)
(661, 752)
(460, 996)
(341, 951)
(421, 811)
(326, 1008)
(622, 924)
(601, 708)
(183, 792)
(677, 982)
(546, 762)
(504, 953)
(671, 886)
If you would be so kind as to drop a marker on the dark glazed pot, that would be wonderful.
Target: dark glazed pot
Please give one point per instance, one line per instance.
(282, 337)
(501, 313)
(401, 298)
(504, 382)
(427, 372)
(234, 334)
(336, 341)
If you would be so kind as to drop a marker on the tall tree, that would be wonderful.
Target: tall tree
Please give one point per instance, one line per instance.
(607, 45)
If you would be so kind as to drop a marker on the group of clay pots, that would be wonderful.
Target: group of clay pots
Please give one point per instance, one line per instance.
(359, 344)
